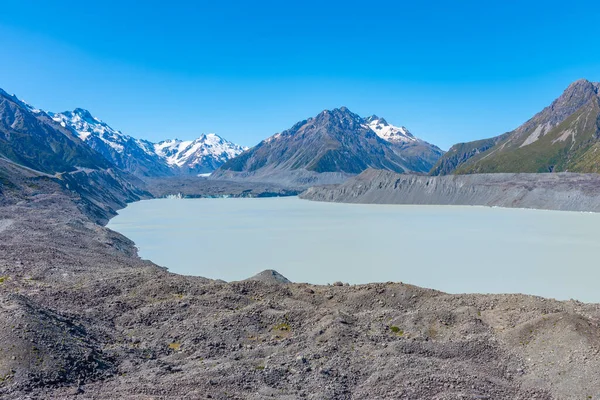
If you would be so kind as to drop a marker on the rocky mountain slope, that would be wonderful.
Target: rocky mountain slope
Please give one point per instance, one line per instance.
(565, 136)
(35, 150)
(330, 147)
(30, 138)
(460, 153)
(129, 154)
(144, 158)
(558, 191)
(422, 155)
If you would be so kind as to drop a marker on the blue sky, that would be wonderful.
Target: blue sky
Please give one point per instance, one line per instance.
(450, 71)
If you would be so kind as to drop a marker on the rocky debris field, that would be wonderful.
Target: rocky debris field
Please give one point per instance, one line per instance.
(193, 187)
(83, 317)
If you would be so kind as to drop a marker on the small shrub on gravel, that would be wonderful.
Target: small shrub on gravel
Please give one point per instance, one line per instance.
(284, 326)
(175, 346)
(396, 330)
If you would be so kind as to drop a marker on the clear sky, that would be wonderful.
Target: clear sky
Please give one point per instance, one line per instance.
(450, 71)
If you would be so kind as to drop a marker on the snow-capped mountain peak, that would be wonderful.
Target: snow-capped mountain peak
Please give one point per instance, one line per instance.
(201, 155)
(389, 132)
(86, 125)
(191, 153)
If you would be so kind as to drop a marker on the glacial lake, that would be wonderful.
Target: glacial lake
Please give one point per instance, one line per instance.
(455, 249)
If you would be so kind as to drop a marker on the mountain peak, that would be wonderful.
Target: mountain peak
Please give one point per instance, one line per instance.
(581, 89)
(82, 112)
(338, 116)
(391, 133)
(576, 95)
(270, 276)
(85, 115)
(204, 154)
(338, 110)
(337, 142)
(579, 82)
(559, 138)
(376, 119)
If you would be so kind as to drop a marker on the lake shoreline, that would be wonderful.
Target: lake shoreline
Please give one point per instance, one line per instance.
(533, 230)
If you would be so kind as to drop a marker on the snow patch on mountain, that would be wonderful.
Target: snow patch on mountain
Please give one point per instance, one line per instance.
(388, 131)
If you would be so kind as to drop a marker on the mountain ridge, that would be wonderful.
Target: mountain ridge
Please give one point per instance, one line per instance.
(564, 136)
(139, 157)
(144, 158)
(29, 137)
(330, 147)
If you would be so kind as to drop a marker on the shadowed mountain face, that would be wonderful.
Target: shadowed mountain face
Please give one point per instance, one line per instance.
(37, 153)
(31, 138)
(335, 141)
(562, 137)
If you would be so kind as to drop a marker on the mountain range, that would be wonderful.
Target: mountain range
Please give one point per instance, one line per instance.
(332, 146)
(67, 140)
(30, 137)
(199, 156)
(144, 158)
(329, 148)
(565, 136)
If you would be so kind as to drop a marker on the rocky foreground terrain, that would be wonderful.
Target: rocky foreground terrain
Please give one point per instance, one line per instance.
(556, 191)
(83, 317)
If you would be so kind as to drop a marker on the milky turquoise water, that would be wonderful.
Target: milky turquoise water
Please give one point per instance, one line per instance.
(450, 248)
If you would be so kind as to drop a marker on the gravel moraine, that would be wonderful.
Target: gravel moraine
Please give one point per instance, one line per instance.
(83, 317)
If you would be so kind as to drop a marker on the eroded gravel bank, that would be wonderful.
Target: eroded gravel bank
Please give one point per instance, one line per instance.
(564, 191)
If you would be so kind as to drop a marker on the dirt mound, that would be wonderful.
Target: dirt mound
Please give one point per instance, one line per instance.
(270, 276)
